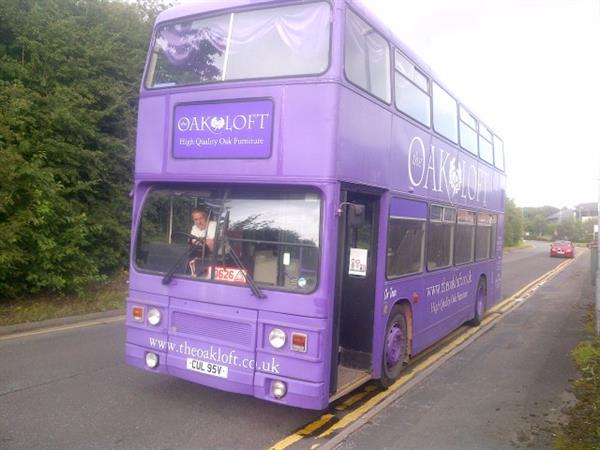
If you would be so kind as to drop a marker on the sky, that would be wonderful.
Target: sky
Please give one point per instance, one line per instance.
(529, 69)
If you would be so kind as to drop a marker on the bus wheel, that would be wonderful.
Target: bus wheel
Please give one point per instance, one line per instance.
(480, 302)
(395, 347)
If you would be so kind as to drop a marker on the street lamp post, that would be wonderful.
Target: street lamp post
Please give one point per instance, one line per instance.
(597, 249)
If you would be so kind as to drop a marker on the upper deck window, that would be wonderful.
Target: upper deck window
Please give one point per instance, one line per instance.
(498, 152)
(273, 42)
(412, 93)
(468, 131)
(445, 113)
(486, 152)
(367, 58)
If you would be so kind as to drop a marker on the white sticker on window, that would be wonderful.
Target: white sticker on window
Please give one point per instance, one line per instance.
(286, 259)
(358, 262)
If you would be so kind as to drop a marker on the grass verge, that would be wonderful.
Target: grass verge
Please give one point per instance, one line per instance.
(104, 296)
(582, 431)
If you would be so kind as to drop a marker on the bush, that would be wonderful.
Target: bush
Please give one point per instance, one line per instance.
(69, 76)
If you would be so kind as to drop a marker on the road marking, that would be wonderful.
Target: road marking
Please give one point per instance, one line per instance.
(301, 434)
(73, 326)
(419, 368)
(526, 291)
(355, 398)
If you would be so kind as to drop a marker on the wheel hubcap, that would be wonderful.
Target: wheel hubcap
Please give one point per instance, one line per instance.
(394, 346)
(480, 297)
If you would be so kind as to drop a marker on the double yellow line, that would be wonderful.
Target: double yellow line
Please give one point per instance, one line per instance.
(494, 314)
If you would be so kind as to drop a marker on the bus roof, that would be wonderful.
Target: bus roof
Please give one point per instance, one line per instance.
(199, 7)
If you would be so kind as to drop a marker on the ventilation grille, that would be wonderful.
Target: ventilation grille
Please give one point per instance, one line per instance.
(224, 330)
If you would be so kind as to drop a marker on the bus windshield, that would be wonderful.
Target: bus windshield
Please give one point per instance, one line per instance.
(230, 234)
(265, 43)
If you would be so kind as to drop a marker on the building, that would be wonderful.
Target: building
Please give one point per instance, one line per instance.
(586, 212)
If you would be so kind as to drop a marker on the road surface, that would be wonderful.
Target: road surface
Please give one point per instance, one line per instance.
(71, 389)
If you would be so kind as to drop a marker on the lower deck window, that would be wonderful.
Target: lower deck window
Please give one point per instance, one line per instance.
(406, 242)
(464, 248)
(485, 236)
(440, 241)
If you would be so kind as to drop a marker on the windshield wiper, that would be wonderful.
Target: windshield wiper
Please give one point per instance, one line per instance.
(228, 249)
(169, 275)
(238, 262)
(186, 255)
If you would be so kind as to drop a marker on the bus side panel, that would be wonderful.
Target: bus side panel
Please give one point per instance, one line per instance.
(363, 139)
(446, 302)
(150, 143)
(309, 130)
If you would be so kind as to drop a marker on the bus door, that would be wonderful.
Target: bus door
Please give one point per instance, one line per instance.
(355, 292)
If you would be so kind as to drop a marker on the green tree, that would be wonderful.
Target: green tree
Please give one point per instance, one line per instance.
(513, 223)
(536, 223)
(69, 77)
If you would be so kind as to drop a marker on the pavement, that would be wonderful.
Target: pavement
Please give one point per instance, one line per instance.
(508, 389)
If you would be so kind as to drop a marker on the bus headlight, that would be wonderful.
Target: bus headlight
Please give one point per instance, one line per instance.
(278, 389)
(277, 338)
(153, 316)
(151, 360)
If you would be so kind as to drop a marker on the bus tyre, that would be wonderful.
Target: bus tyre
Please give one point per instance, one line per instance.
(395, 347)
(480, 302)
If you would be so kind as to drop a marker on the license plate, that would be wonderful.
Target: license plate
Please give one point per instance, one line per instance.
(231, 274)
(215, 370)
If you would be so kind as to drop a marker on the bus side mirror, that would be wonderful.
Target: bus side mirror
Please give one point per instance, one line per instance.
(356, 215)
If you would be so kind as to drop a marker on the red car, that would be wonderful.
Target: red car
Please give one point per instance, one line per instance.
(562, 248)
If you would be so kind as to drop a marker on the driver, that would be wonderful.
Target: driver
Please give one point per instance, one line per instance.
(204, 232)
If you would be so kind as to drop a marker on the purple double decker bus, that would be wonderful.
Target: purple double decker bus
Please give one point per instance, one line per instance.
(312, 207)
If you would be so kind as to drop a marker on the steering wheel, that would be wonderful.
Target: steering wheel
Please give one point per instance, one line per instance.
(198, 240)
